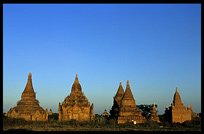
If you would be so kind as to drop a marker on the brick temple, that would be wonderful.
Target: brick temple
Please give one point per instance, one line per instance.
(154, 115)
(28, 107)
(127, 108)
(76, 105)
(177, 112)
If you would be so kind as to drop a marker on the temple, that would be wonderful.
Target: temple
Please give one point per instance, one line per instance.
(76, 105)
(50, 112)
(105, 113)
(28, 107)
(192, 113)
(177, 112)
(127, 110)
(154, 115)
(114, 112)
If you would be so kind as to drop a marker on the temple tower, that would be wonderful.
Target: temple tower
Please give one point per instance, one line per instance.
(154, 115)
(128, 110)
(28, 107)
(114, 112)
(105, 113)
(177, 112)
(76, 105)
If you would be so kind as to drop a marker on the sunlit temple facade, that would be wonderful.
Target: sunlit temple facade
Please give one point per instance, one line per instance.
(28, 107)
(127, 110)
(177, 112)
(76, 105)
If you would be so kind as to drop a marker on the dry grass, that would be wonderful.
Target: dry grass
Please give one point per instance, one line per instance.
(103, 125)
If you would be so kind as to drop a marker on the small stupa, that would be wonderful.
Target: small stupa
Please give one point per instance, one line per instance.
(105, 113)
(154, 115)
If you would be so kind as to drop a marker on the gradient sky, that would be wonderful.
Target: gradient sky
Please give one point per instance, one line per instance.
(155, 46)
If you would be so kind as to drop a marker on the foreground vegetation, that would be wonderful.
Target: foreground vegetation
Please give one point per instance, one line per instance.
(100, 123)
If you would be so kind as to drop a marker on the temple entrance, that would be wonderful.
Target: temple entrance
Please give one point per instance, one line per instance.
(75, 116)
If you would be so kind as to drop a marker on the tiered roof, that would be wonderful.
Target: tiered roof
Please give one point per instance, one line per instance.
(76, 96)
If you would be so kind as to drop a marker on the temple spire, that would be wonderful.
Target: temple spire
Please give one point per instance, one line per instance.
(120, 90)
(76, 79)
(128, 93)
(154, 105)
(29, 85)
(76, 86)
(29, 76)
(28, 91)
(177, 99)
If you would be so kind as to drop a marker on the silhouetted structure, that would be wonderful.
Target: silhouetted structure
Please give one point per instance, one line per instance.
(76, 105)
(114, 112)
(28, 107)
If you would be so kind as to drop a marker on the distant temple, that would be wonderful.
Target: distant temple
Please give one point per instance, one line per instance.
(177, 112)
(76, 105)
(50, 112)
(28, 107)
(127, 108)
(192, 113)
(105, 113)
(154, 115)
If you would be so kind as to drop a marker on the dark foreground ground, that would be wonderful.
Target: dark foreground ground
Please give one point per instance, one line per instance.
(11, 124)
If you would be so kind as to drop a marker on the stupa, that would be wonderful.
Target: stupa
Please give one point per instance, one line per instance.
(50, 112)
(76, 105)
(128, 111)
(154, 115)
(28, 107)
(105, 113)
(117, 101)
(177, 112)
(192, 113)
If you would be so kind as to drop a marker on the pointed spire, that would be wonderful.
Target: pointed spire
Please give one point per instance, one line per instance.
(154, 105)
(76, 86)
(154, 115)
(76, 79)
(177, 99)
(28, 91)
(154, 108)
(120, 90)
(29, 76)
(128, 94)
(166, 106)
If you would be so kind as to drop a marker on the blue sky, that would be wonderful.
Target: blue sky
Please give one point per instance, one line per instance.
(155, 46)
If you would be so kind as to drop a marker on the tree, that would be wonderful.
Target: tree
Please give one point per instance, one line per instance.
(146, 109)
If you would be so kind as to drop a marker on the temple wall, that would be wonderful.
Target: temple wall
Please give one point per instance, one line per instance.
(181, 115)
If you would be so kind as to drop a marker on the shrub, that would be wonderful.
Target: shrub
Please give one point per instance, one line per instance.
(14, 121)
(54, 116)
